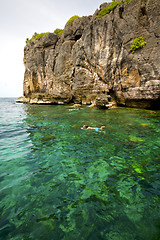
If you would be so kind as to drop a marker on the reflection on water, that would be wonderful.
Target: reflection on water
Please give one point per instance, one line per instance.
(60, 182)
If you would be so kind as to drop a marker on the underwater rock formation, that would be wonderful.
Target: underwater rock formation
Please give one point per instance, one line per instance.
(91, 60)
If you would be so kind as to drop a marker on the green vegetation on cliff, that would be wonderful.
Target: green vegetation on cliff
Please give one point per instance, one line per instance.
(58, 31)
(137, 43)
(108, 9)
(73, 18)
(35, 36)
(111, 7)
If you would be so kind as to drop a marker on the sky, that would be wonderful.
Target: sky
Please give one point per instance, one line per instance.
(19, 19)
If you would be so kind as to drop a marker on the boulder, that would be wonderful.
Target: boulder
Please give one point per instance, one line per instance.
(102, 101)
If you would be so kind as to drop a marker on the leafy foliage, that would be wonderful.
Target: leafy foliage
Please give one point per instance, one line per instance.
(127, 1)
(108, 9)
(137, 43)
(73, 18)
(58, 31)
(35, 36)
(27, 39)
(111, 7)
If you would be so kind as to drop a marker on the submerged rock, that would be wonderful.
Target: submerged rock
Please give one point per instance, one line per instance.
(92, 58)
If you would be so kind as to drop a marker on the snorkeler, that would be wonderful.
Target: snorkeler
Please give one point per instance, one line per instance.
(74, 109)
(86, 127)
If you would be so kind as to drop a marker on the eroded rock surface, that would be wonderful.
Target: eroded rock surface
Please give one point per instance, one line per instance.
(91, 59)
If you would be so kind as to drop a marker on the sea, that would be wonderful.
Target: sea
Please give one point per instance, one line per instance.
(60, 182)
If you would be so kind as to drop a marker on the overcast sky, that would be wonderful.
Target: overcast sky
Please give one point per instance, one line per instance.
(19, 19)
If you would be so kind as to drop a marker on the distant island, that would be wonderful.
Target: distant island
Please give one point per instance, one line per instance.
(110, 58)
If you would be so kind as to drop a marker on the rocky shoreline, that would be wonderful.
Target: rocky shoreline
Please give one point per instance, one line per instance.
(42, 99)
(91, 62)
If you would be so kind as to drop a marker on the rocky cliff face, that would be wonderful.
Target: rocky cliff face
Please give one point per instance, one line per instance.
(90, 63)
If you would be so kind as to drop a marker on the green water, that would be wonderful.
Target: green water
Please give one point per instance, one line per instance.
(63, 183)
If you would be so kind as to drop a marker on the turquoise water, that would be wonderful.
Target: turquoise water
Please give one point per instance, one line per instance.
(63, 183)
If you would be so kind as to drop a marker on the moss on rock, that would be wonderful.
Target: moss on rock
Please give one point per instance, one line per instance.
(72, 19)
(137, 43)
(58, 31)
(35, 36)
(108, 9)
(111, 7)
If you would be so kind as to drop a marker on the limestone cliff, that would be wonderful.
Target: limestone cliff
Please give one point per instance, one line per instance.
(90, 63)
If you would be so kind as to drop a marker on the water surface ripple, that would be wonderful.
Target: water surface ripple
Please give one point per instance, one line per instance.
(60, 182)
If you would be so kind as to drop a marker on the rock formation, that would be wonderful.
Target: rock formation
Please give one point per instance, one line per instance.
(90, 63)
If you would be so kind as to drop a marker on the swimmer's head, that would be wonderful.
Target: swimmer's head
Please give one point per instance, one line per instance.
(85, 126)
